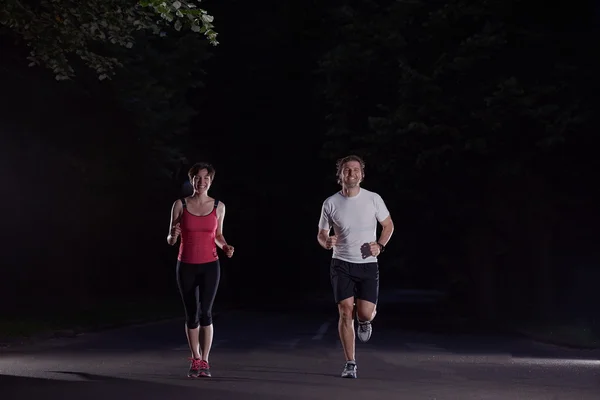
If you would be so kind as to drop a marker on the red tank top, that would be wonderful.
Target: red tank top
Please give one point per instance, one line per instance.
(198, 233)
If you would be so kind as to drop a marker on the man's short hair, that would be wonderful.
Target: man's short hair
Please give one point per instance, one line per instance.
(342, 161)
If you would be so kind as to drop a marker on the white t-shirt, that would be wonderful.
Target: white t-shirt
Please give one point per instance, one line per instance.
(354, 222)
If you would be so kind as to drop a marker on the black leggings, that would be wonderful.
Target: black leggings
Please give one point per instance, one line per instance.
(198, 285)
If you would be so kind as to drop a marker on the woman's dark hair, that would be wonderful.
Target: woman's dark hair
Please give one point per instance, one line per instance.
(200, 166)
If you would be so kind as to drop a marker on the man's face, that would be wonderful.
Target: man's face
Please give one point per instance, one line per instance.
(202, 181)
(351, 174)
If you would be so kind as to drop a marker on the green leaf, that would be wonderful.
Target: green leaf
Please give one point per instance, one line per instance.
(56, 30)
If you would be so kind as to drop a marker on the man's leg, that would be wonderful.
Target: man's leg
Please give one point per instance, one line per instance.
(343, 291)
(346, 327)
(365, 310)
(365, 313)
(366, 302)
(346, 331)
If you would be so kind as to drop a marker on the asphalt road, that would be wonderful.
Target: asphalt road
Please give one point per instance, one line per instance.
(272, 355)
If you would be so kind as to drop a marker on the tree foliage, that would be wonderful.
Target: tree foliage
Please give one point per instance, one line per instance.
(62, 33)
(428, 83)
(460, 106)
(154, 89)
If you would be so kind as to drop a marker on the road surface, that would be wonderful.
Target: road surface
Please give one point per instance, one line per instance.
(275, 355)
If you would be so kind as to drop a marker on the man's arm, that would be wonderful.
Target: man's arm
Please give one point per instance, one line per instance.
(387, 226)
(322, 237)
(325, 228)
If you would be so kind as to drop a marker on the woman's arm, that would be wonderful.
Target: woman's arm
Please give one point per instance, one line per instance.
(174, 229)
(219, 238)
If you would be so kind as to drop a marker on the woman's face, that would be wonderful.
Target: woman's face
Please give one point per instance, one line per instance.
(201, 181)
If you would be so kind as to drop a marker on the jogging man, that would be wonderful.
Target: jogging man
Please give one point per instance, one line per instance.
(353, 213)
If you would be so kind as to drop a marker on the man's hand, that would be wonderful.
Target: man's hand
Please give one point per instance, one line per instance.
(330, 242)
(228, 249)
(375, 249)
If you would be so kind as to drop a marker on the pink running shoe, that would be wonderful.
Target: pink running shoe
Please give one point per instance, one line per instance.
(204, 369)
(195, 365)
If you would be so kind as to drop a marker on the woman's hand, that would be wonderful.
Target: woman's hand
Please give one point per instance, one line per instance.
(228, 249)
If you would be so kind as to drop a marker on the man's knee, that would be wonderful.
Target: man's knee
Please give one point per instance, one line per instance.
(346, 309)
(366, 310)
(366, 315)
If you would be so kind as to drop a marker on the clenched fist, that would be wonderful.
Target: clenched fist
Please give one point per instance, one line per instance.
(375, 249)
(330, 242)
(175, 230)
(228, 249)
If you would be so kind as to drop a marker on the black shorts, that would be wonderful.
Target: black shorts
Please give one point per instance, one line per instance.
(354, 280)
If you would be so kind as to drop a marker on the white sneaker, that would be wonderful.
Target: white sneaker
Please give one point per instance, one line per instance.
(364, 331)
(349, 371)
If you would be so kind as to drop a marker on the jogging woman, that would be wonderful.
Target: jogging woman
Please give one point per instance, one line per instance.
(198, 220)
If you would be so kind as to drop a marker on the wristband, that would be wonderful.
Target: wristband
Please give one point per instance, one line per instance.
(381, 247)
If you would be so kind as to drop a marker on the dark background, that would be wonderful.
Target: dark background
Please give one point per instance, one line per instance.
(484, 150)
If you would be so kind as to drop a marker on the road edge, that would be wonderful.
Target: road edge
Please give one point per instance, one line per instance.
(544, 339)
(58, 338)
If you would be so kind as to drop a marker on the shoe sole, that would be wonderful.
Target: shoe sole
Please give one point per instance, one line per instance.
(363, 340)
(360, 338)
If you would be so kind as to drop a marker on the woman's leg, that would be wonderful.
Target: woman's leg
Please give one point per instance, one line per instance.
(188, 288)
(211, 275)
